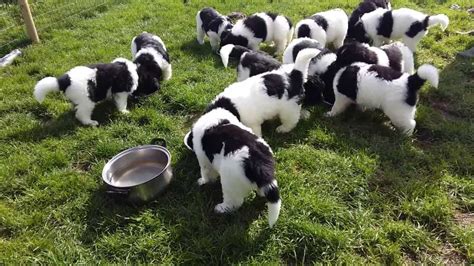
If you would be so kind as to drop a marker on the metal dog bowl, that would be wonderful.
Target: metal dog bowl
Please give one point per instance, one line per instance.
(139, 173)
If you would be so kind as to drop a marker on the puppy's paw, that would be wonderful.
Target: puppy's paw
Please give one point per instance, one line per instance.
(222, 208)
(283, 129)
(125, 111)
(305, 114)
(201, 181)
(92, 123)
(328, 114)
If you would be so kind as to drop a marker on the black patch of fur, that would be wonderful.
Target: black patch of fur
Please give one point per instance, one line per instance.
(64, 82)
(259, 62)
(146, 40)
(321, 21)
(355, 52)
(385, 26)
(385, 73)
(272, 15)
(413, 86)
(214, 25)
(259, 167)
(149, 75)
(395, 57)
(275, 85)
(237, 51)
(296, 84)
(113, 76)
(207, 15)
(313, 90)
(224, 103)
(272, 194)
(304, 31)
(356, 31)
(303, 45)
(417, 27)
(257, 25)
(347, 84)
(228, 38)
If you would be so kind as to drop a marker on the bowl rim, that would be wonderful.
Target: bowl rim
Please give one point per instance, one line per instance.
(130, 150)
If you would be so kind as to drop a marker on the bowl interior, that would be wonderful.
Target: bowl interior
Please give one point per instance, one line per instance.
(136, 166)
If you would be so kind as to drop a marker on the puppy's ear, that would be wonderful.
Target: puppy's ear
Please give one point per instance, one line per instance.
(188, 140)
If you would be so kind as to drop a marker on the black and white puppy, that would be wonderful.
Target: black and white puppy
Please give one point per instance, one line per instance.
(409, 25)
(325, 27)
(225, 147)
(251, 63)
(153, 62)
(260, 27)
(211, 23)
(85, 86)
(380, 87)
(357, 32)
(272, 94)
(395, 55)
(296, 45)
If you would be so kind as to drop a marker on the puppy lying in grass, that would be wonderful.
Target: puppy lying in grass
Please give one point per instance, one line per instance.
(85, 86)
(375, 86)
(225, 147)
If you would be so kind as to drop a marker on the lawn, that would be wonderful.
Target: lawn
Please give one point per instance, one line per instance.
(353, 189)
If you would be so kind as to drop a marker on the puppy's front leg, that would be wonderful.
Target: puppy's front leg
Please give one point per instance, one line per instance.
(121, 101)
(207, 175)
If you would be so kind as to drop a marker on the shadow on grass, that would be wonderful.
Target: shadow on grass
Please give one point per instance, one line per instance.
(188, 210)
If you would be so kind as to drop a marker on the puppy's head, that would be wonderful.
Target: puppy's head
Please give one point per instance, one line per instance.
(188, 140)
(227, 37)
(149, 75)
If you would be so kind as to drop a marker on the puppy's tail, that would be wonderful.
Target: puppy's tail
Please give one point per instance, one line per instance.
(45, 86)
(424, 73)
(232, 51)
(440, 19)
(271, 193)
(299, 74)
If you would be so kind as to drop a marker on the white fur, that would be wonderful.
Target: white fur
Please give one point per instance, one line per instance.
(336, 31)
(224, 53)
(78, 93)
(408, 64)
(254, 104)
(235, 184)
(389, 96)
(278, 31)
(288, 54)
(403, 18)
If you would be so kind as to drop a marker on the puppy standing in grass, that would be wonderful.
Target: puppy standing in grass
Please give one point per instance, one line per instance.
(260, 27)
(409, 25)
(325, 27)
(268, 95)
(356, 30)
(225, 147)
(211, 23)
(153, 62)
(85, 86)
(375, 86)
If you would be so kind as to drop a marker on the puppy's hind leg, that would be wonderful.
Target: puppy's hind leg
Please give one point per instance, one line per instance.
(84, 113)
(121, 101)
(234, 191)
(199, 31)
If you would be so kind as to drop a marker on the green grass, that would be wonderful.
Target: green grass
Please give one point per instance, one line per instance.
(353, 189)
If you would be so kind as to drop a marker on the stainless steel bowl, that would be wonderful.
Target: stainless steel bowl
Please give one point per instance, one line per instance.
(139, 173)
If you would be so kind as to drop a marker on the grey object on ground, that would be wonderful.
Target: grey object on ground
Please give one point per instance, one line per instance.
(8, 59)
(468, 53)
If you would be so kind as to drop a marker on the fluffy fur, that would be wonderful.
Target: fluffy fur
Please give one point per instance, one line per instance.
(211, 23)
(395, 55)
(268, 95)
(357, 32)
(295, 46)
(84, 86)
(225, 147)
(251, 63)
(260, 27)
(325, 27)
(375, 86)
(153, 62)
(406, 24)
